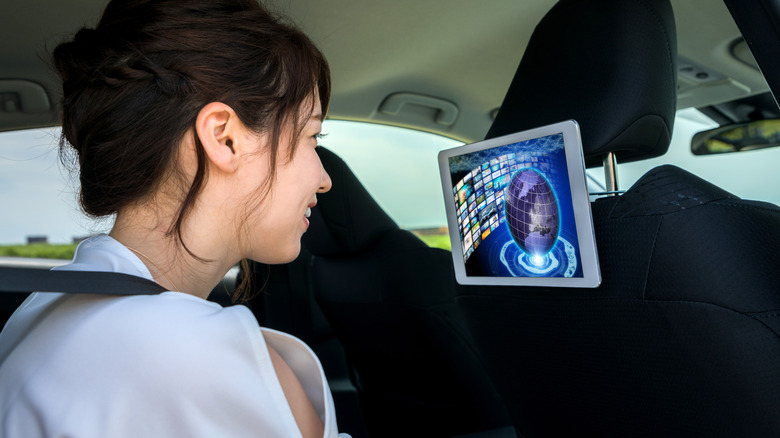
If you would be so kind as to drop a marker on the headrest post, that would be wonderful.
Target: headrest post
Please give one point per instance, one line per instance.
(610, 173)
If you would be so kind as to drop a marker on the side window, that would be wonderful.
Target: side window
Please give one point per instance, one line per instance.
(399, 168)
(40, 216)
(38, 198)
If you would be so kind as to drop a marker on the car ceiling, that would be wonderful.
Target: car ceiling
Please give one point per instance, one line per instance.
(459, 52)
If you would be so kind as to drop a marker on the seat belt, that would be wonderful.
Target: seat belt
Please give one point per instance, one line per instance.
(26, 280)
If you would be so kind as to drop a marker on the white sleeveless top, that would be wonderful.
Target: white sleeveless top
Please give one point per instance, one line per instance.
(167, 365)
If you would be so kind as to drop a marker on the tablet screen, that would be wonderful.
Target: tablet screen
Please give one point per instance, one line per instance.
(518, 210)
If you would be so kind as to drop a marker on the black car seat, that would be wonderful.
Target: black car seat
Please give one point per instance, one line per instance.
(682, 338)
(390, 300)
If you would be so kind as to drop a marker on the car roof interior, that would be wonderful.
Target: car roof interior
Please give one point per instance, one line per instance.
(446, 73)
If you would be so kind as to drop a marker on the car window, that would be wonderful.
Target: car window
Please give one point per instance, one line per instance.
(39, 198)
(398, 167)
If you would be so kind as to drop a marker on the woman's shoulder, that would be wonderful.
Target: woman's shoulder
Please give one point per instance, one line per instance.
(169, 360)
(174, 322)
(171, 341)
(178, 310)
(172, 327)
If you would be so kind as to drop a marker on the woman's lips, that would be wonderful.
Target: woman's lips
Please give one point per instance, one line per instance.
(306, 216)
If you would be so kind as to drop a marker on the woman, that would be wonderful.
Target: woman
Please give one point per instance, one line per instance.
(195, 123)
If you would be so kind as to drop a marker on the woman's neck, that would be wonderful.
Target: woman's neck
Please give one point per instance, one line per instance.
(195, 269)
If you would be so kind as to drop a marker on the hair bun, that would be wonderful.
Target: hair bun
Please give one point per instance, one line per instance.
(93, 59)
(86, 36)
(79, 59)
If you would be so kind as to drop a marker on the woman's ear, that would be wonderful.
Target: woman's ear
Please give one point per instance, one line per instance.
(217, 126)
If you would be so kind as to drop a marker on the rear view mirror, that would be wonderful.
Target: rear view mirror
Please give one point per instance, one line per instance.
(758, 134)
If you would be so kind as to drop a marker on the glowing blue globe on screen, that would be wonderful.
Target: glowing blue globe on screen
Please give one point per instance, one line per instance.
(531, 212)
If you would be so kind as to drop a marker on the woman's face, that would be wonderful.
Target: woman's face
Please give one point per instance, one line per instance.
(276, 226)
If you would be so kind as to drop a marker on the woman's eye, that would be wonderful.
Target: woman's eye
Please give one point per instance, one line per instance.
(319, 136)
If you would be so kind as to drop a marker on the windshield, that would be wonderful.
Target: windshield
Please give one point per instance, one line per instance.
(398, 166)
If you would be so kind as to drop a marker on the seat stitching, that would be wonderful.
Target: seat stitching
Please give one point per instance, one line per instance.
(650, 262)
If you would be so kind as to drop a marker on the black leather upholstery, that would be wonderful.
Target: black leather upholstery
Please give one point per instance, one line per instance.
(682, 336)
(390, 299)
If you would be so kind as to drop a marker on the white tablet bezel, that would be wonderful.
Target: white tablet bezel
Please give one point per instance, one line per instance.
(580, 203)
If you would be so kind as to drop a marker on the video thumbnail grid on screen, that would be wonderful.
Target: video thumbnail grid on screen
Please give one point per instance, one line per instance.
(486, 179)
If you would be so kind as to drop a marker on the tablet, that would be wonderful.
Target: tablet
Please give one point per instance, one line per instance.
(518, 211)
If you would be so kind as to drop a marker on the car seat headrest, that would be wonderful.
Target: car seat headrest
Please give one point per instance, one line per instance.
(346, 219)
(610, 65)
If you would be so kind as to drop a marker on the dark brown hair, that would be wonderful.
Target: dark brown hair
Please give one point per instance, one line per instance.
(133, 87)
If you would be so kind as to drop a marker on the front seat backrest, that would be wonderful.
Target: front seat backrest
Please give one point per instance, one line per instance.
(390, 300)
(682, 338)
